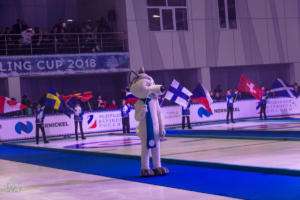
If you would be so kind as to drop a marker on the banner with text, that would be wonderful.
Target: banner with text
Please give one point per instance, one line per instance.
(110, 120)
(63, 64)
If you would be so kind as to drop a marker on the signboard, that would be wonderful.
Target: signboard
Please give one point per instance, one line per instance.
(63, 64)
(110, 120)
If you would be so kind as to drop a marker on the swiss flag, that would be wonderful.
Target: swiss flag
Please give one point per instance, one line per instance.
(8, 105)
(246, 85)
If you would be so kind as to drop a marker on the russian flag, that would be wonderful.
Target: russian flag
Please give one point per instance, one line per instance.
(201, 95)
(130, 98)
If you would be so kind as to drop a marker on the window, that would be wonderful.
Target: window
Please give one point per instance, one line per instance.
(227, 14)
(222, 13)
(231, 14)
(154, 19)
(177, 3)
(181, 19)
(156, 2)
(167, 15)
(167, 19)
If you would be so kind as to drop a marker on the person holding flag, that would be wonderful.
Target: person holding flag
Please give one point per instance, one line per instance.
(125, 110)
(230, 98)
(263, 103)
(78, 117)
(39, 123)
(186, 114)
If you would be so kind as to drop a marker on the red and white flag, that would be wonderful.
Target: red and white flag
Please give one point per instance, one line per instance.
(246, 85)
(8, 105)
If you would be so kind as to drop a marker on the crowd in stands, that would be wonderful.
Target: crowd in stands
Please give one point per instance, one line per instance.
(22, 38)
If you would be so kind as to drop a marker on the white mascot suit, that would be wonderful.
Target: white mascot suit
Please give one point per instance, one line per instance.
(151, 127)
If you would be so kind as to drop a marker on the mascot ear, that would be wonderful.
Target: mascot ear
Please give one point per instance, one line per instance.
(132, 77)
(142, 70)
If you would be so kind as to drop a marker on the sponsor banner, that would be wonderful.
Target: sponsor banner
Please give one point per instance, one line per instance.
(63, 64)
(17, 128)
(101, 121)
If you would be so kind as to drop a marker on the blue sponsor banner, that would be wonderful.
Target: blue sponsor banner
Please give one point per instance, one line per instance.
(63, 64)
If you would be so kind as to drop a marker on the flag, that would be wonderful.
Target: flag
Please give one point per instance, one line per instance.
(280, 88)
(245, 85)
(178, 94)
(130, 98)
(72, 102)
(53, 100)
(201, 95)
(8, 105)
(81, 96)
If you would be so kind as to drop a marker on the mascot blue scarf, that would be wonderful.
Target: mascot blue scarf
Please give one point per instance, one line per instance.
(149, 124)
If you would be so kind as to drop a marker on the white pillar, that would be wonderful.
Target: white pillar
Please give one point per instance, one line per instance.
(14, 88)
(204, 77)
(295, 73)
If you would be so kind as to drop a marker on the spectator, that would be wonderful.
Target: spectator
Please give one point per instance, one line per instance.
(100, 103)
(37, 39)
(60, 27)
(218, 89)
(27, 37)
(113, 105)
(212, 95)
(29, 108)
(19, 27)
(218, 97)
(103, 26)
(296, 88)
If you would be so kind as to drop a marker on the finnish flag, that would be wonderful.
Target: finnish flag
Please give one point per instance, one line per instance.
(178, 94)
(280, 88)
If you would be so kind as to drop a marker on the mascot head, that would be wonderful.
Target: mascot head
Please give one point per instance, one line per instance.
(142, 85)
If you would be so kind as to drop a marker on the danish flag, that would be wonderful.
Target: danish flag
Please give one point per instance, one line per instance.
(8, 105)
(246, 85)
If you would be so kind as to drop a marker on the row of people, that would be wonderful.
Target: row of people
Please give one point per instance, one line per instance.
(217, 94)
(230, 99)
(21, 36)
(78, 118)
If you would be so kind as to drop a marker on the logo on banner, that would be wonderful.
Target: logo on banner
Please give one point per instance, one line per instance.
(203, 112)
(27, 128)
(56, 124)
(92, 122)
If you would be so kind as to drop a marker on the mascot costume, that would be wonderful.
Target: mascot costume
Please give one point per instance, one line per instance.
(148, 114)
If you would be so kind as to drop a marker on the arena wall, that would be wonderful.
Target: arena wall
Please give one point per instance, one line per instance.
(106, 121)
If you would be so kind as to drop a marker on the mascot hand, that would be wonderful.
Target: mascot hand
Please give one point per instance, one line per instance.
(162, 133)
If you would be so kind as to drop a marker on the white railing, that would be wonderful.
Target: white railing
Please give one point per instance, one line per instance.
(56, 43)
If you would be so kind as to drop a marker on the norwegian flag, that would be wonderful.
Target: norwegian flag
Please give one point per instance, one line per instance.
(8, 105)
(246, 85)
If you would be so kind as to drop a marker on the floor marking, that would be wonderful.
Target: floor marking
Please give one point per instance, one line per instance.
(222, 148)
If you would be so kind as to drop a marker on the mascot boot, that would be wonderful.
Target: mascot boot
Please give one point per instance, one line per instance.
(150, 128)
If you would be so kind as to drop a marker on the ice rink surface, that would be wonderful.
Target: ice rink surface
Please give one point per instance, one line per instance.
(38, 182)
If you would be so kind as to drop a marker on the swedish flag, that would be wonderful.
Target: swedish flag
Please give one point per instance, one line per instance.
(53, 100)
